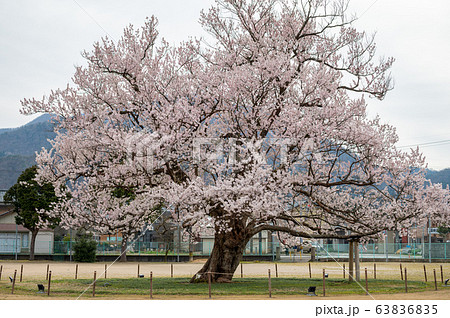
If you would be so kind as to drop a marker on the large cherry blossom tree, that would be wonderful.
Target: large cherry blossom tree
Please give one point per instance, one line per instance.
(264, 127)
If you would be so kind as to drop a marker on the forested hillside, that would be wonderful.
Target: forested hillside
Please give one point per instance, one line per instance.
(441, 176)
(18, 147)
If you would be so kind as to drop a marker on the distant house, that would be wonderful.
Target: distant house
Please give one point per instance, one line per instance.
(15, 238)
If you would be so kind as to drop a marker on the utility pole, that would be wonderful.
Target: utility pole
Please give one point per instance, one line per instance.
(260, 243)
(70, 245)
(16, 245)
(429, 240)
(179, 236)
(386, 245)
(423, 240)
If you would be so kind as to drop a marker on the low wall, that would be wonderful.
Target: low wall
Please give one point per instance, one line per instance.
(130, 258)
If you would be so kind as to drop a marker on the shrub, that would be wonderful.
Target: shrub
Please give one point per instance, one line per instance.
(84, 248)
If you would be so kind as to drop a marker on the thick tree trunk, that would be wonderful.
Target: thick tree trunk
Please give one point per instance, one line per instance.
(33, 243)
(123, 250)
(224, 259)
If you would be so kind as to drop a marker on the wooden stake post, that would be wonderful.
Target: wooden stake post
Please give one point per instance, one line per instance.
(76, 271)
(242, 271)
(106, 270)
(151, 285)
(406, 282)
(425, 273)
(1, 269)
(138, 271)
(367, 284)
(323, 280)
(309, 265)
(374, 271)
(435, 281)
(14, 282)
(209, 284)
(21, 273)
(49, 282)
(48, 268)
(171, 270)
(401, 271)
(343, 270)
(270, 286)
(442, 275)
(276, 270)
(93, 284)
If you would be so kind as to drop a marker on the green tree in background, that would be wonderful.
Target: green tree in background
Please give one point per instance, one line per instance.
(85, 248)
(32, 203)
(443, 230)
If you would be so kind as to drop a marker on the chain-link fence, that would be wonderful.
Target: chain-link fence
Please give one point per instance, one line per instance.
(162, 248)
(419, 251)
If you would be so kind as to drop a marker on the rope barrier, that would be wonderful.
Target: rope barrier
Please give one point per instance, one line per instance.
(209, 276)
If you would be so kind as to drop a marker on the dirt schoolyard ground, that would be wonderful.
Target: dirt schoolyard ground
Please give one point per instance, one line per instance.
(64, 270)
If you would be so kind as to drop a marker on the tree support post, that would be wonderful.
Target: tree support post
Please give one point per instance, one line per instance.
(357, 263)
(350, 261)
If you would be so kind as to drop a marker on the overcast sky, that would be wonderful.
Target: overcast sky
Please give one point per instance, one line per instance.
(41, 42)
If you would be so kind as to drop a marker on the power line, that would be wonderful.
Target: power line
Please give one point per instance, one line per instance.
(428, 144)
(92, 18)
(368, 9)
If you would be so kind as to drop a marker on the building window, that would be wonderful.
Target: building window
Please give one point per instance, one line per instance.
(25, 240)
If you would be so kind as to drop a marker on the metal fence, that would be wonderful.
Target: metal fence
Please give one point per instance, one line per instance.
(419, 251)
(144, 248)
(162, 248)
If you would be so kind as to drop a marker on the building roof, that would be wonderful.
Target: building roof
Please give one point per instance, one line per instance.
(12, 228)
(6, 211)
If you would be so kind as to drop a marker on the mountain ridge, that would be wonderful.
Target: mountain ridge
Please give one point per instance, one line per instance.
(19, 145)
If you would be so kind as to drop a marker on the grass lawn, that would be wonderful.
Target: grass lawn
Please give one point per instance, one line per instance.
(239, 286)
